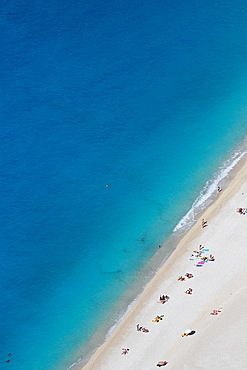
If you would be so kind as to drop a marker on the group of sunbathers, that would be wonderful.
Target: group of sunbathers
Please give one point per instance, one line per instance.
(164, 298)
(242, 211)
(157, 318)
(198, 254)
(141, 328)
(187, 275)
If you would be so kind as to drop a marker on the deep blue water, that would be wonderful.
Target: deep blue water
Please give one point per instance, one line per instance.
(147, 96)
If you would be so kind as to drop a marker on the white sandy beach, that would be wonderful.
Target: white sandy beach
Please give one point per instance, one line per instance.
(219, 341)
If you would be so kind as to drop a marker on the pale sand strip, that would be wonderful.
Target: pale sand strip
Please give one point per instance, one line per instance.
(219, 341)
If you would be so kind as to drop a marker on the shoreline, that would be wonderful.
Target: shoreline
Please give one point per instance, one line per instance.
(126, 327)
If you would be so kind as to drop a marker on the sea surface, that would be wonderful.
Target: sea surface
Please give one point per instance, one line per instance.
(149, 97)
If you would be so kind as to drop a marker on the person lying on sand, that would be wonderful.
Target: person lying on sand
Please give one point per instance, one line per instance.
(145, 330)
(185, 335)
(196, 254)
(181, 278)
(162, 363)
(125, 351)
(189, 291)
(158, 318)
(189, 275)
(188, 332)
(204, 223)
(216, 312)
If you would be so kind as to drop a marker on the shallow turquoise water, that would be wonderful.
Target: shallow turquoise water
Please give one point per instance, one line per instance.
(148, 97)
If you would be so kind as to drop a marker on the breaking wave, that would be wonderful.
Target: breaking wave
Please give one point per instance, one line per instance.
(209, 191)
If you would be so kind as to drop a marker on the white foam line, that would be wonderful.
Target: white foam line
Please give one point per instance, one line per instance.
(186, 222)
(75, 363)
(206, 195)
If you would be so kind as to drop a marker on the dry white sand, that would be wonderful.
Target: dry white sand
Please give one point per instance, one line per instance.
(219, 341)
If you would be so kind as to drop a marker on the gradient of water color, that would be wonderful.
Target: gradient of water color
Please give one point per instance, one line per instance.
(147, 96)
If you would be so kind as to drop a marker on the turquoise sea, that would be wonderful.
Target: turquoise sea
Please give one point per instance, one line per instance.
(149, 97)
